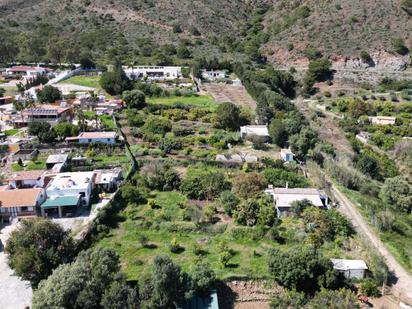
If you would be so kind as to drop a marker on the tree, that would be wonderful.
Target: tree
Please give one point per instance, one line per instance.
(201, 184)
(278, 133)
(115, 82)
(303, 269)
(247, 185)
(203, 279)
(397, 192)
(365, 57)
(134, 98)
(2, 92)
(183, 52)
(131, 193)
(160, 176)
(368, 165)
(49, 94)
(301, 143)
(165, 286)
(229, 202)
(86, 62)
(398, 45)
(42, 130)
(279, 177)
(38, 247)
(298, 207)
(228, 116)
(92, 281)
(65, 129)
(256, 210)
(9, 47)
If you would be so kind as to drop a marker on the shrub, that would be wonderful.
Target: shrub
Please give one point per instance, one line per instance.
(369, 288)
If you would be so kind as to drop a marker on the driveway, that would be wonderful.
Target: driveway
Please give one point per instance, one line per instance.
(403, 287)
(14, 293)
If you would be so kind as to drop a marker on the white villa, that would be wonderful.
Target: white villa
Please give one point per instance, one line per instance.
(153, 72)
(66, 192)
(247, 132)
(213, 75)
(284, 197)
(350, 268)
(94, 138)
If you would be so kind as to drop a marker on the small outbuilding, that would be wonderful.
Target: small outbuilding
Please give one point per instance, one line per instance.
(248, 132)
(56, 159)
(350, 268)
(286, 155)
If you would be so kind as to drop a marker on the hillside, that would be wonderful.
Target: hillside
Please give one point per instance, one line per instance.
(337, 27)
(122, 26)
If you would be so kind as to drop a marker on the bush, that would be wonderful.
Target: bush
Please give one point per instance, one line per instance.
(134, 98)
(368, 287)
(280, 177)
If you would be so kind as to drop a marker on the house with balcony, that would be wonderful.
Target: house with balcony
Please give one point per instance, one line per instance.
(26, 179)
(20, 203)
(51, 114)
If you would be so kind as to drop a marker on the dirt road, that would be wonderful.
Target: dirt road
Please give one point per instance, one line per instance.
(404, 284)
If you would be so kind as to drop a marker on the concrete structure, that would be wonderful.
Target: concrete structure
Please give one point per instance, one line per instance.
(54, 159)
(236, 158)
(286, 155)
(66, 192)
(247, 132)
(26, 179)
(20, 203)
(284, 197)
(153, 72)
(363, 137)
(382, 120)
(201, 302)
(213, 75)
(94, 138)
(108, 180)
(25, 154)
(350, 268)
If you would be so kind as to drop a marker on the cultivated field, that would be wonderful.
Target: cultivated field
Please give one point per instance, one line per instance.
(229, 93)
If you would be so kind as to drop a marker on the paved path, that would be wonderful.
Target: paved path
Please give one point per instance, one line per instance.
(404, 283)
(14, 293)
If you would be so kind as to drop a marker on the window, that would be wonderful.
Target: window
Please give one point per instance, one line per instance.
(82, 194)
(24, 209)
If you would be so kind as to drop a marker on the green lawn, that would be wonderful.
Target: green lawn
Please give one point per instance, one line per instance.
(36, 165)
(87, 81)
(16, 167)
(198, 101)
(11, 132)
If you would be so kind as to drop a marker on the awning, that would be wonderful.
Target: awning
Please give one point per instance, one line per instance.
(61, 201)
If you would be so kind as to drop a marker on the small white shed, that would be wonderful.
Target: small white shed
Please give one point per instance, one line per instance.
(350, 268)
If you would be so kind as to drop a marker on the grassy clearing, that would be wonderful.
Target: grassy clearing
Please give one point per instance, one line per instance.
(11, 132)
(397, 241)
(198, 101)
(36, 165)
(166, 222)
(86, 81)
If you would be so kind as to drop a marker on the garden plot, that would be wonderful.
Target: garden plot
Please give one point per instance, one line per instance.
(230, 93)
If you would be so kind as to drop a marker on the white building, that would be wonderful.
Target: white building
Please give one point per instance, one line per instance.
(350, 268)
(213, 75)
(54, 159)
(153, 72)
(363, 137)
(66, 192)
(247, 132)
(284, 197)
(382, 120)
(286, 155)
(27, 71)
(94, 138)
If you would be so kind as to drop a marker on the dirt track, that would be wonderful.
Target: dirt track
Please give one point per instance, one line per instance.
(404, 283)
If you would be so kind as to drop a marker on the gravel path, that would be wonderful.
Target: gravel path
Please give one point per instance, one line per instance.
(14, 293)
(404, 283)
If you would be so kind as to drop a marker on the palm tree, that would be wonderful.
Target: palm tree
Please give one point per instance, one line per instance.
(82, 120)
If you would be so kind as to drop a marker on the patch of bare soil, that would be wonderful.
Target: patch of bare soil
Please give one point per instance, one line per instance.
(236, 94)
(246, 295)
